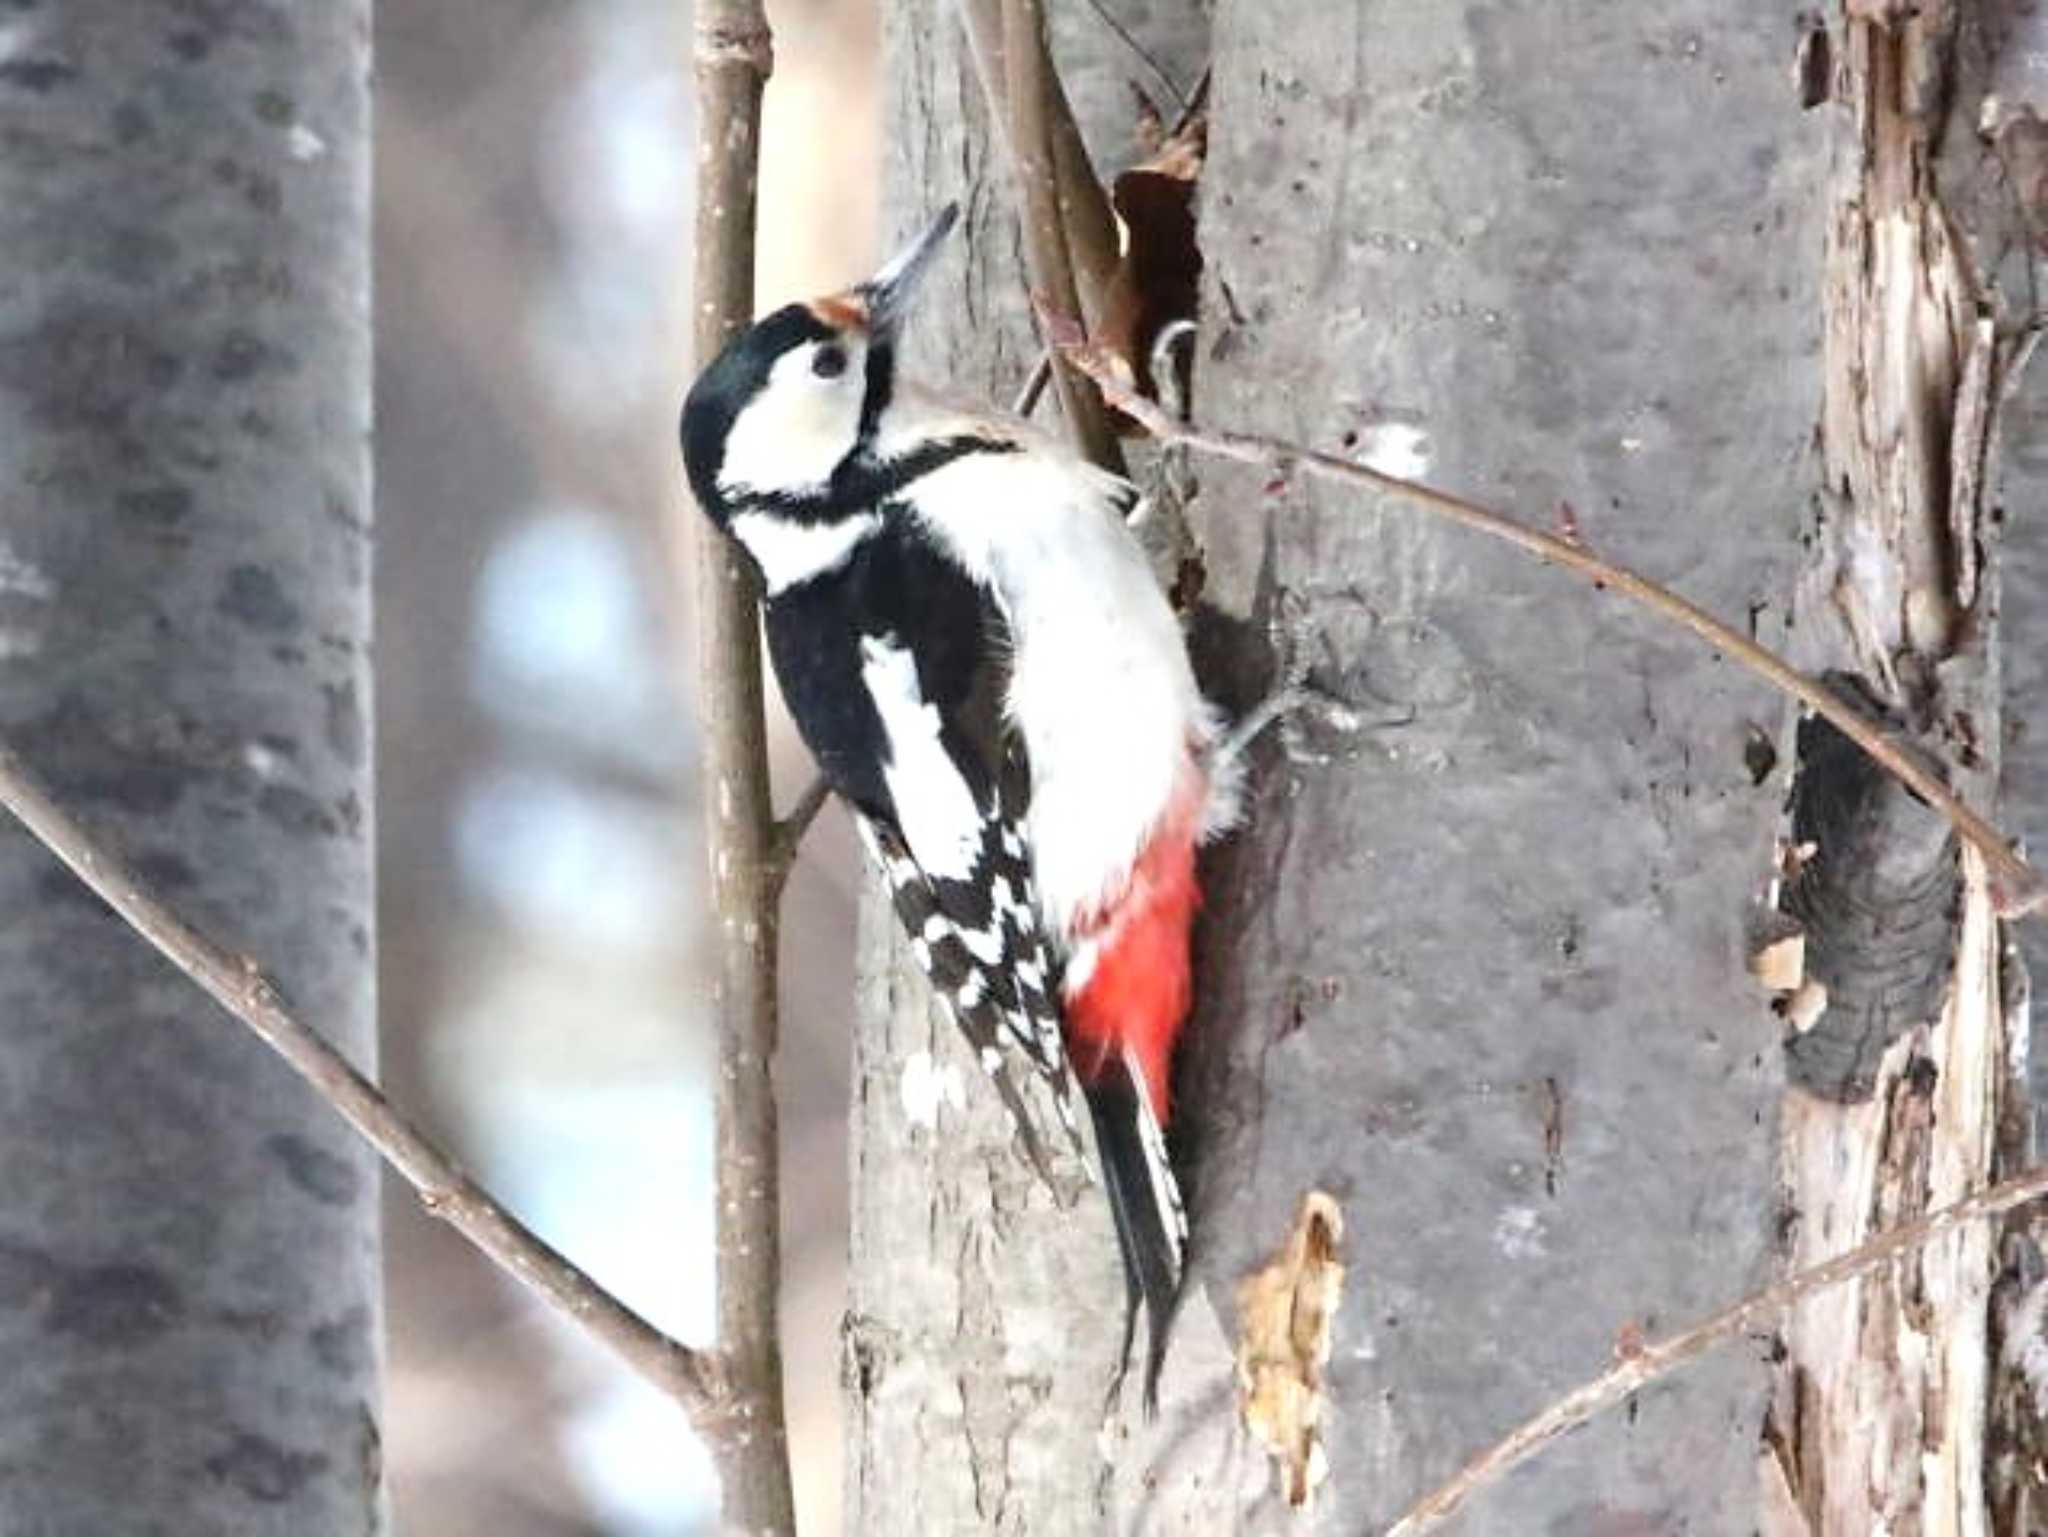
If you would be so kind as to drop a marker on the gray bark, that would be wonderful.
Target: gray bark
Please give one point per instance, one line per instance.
(1477, 968)
(188, 1240)
(1480, 974)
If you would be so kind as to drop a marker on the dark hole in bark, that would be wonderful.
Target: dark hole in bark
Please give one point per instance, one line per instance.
(1877, 898)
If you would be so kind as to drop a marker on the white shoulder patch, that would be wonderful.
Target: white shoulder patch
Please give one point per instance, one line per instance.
(934, 805)
(790, 552)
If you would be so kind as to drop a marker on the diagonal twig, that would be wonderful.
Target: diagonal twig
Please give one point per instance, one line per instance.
(2017, 886)
(791, 827)
(693, 1377)
(1760, 1310)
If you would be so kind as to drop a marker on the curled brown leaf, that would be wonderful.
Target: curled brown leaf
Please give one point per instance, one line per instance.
(1285, 1312)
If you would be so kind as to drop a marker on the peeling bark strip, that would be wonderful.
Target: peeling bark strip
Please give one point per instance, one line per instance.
(1898, 1081)
(1898, 317)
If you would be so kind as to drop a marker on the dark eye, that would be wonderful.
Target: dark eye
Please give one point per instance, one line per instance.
(829, 361)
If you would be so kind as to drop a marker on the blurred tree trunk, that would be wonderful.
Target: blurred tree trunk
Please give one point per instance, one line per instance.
(1478, 969)
(188, 1240)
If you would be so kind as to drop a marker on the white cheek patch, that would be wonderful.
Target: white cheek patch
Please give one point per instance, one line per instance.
(934, 805)
(790, 552)
(792, 435)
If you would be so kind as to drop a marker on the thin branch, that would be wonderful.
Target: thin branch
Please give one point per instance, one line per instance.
(692, 1377)
(1069, 231)
(1084, 202)
(1036, 102)
(2017, 887)
(734, 57)
(1034, 386)
(1640, 1367)
(790, 829)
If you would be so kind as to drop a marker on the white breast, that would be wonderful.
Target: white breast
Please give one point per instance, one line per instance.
(789, 552)
(1100, 689)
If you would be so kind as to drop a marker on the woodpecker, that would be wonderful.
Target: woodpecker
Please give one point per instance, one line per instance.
(924, 568)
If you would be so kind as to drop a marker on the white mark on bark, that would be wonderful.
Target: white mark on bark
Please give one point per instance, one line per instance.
(23, 577)
(925, 1087)
(266, 763)
(1394, 448)
(25, 590)
(1518, 1232)
(303, 144)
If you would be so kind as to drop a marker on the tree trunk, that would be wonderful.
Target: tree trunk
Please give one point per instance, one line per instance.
(188, 1239)
(983, 1319)
(1908, 1068)
(1476, 967)
(1480, 974)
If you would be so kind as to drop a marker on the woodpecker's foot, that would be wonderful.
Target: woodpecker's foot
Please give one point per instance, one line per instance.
(1315, 724)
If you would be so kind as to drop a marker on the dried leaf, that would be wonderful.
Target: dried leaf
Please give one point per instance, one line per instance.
(1285, 1314)
(1157, 281)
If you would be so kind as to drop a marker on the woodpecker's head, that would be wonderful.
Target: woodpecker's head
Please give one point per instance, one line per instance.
(793, 401)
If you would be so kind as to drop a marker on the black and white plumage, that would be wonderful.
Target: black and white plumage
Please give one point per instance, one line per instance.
(932, 576)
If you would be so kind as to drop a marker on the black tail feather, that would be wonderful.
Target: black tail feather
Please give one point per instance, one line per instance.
(1147, 1215)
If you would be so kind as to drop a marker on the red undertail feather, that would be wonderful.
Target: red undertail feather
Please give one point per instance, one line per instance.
(1134, 999)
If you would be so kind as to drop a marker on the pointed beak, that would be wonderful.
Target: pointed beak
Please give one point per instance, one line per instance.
(889, 292)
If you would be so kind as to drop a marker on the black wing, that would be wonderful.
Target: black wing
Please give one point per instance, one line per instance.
(891, 667)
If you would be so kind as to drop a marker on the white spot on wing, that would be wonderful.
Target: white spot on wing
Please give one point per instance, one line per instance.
(934, 806)
(985, 945)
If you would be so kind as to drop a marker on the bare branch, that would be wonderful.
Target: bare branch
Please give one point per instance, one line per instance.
(1641, 1366)
(2018, 888)
(692, 1377)
(734, 56)
(1069, 231)
(790, 830)
(1034, 386)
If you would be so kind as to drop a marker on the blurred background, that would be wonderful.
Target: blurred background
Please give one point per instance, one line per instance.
(541, 900)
